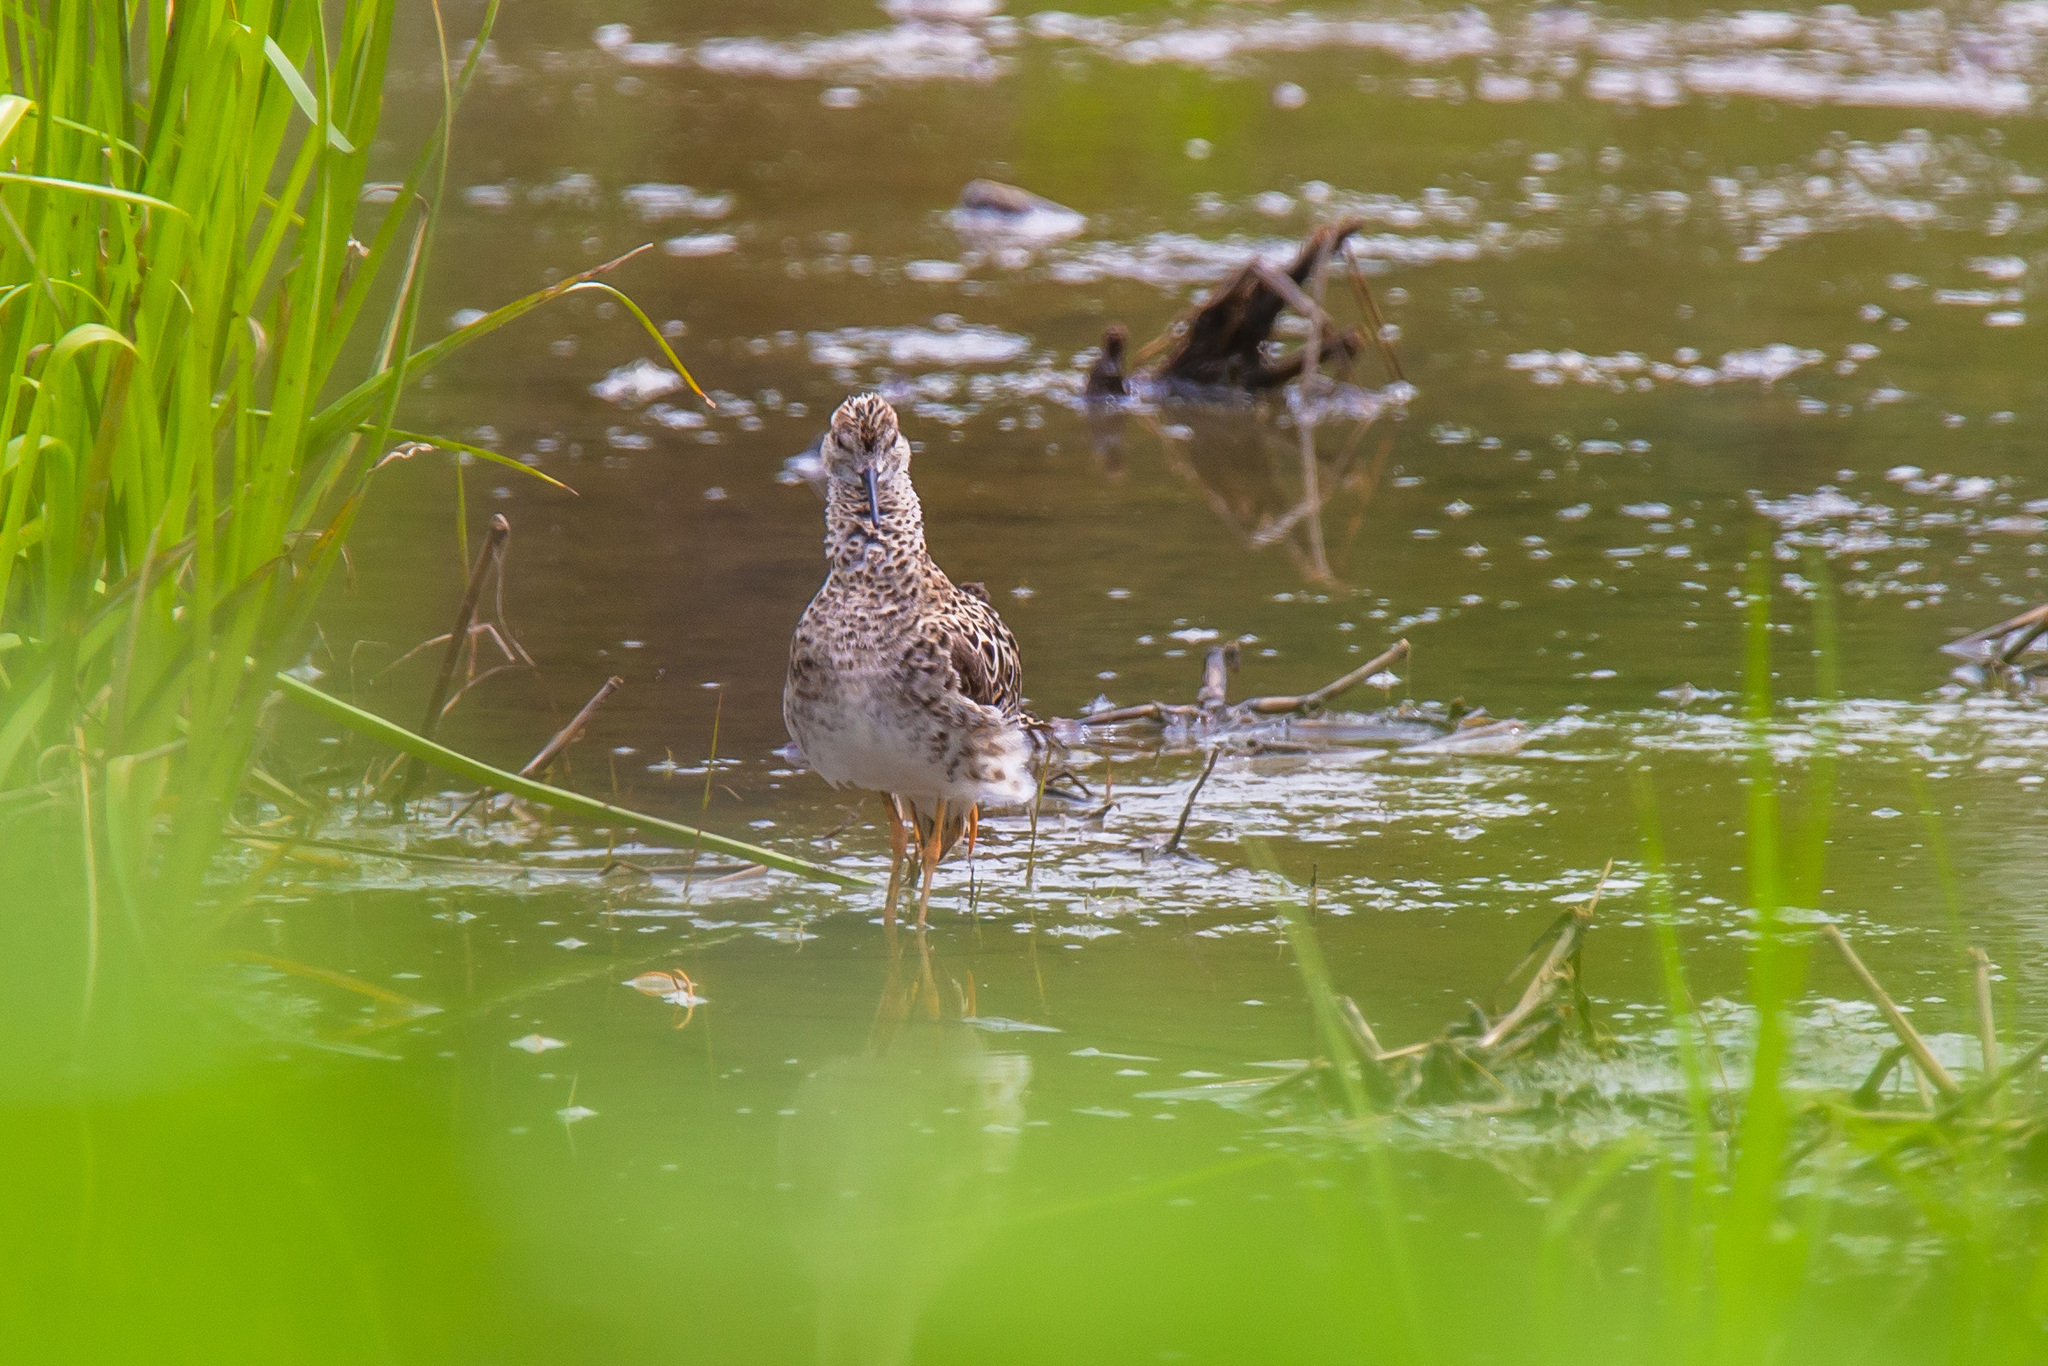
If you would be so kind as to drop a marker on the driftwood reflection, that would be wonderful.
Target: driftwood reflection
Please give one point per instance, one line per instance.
(897, 1159)
(1267, 486)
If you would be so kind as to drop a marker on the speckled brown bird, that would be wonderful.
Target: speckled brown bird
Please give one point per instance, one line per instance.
(900, 680)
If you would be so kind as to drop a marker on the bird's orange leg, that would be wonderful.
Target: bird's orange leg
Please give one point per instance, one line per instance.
(899, 848)
(929, 856)
(973, 828)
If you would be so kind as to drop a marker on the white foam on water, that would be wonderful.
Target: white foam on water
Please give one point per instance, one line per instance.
(701, 244)
(908, 347)
(1626, 370)
(1989, 63)
(639, 382)
(907, 52)
(655, 202)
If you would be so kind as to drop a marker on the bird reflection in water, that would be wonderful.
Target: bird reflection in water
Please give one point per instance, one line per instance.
(897, 1160)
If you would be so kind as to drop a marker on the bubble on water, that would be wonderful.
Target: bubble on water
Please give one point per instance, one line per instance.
(1197, 149)
(1288, 95)
(537, 1044)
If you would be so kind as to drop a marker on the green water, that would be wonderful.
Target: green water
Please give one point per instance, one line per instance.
(992, 1143)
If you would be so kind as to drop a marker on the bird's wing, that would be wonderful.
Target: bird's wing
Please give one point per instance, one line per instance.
(983, 653)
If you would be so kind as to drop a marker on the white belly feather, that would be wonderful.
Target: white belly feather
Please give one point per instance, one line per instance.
(874, 742)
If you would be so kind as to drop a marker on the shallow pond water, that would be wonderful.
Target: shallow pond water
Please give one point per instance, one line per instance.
(1676, 293)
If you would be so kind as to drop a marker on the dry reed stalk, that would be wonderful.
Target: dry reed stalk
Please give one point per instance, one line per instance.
(563, 738)
(494, 544)
(1372, 316)
(1916, 1047)
(1565, 949)
(1987, 1023)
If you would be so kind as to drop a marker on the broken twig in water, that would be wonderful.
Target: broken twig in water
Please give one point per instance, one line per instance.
(1172, 846)
(565, 737)
(571, 733)
(1162, 712)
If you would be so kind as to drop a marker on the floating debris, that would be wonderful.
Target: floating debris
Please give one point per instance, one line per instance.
(671, 985)
(537, 1044)
(996, 1024)
(1221, 345)
(989, 208)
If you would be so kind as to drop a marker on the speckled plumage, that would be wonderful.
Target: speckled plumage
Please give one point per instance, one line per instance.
(901, 681)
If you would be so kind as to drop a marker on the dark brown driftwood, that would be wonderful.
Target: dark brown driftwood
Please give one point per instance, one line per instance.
(1219, 344)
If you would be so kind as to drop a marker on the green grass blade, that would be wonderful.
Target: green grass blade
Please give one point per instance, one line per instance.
(12, 108)
(303, 94)
(85, 187)
(442, 443)
(569, 803)
(354, 406)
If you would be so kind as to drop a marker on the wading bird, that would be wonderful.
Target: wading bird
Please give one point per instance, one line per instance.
(900, 680)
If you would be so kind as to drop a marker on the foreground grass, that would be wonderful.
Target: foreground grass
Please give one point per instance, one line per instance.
(209, 314)
(1773, 1222)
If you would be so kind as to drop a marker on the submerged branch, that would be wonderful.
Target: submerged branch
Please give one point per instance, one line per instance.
(1214, 675)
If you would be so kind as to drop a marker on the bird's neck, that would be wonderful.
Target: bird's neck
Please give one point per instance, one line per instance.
(854, 545)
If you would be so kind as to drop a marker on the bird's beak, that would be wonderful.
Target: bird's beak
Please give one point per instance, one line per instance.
(874, 499)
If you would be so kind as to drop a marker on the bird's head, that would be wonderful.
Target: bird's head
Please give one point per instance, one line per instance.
(865, 447)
